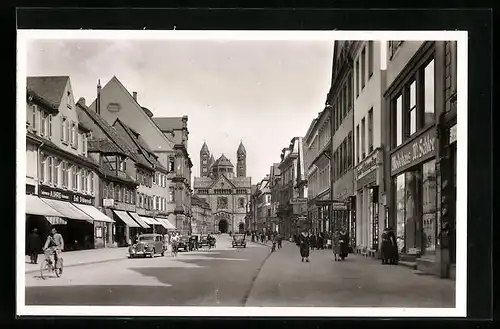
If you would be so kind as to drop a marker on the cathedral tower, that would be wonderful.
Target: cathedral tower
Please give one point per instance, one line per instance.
(241, 163)
(204, 161)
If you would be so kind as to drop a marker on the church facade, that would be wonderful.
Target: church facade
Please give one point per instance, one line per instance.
(227, 193)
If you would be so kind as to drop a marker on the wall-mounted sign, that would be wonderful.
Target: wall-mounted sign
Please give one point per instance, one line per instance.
(298, 200)
(453, 134)
(64, 195)
(108, 202)
(368, 165)
(422, 148)
(339, 206)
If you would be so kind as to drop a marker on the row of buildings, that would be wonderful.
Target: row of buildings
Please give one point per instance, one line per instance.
(104, 172)
(381, 153)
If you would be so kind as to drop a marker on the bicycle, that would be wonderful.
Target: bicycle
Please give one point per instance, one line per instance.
(48, 266)
(175, 249)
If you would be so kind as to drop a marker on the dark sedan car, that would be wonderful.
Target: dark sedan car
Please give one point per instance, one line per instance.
(183, 243)
(147, 244)
(239, 241)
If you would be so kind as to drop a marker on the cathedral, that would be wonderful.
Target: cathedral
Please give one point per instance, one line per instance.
(226, 193)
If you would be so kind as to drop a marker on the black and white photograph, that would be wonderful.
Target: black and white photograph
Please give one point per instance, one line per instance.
(242, 173)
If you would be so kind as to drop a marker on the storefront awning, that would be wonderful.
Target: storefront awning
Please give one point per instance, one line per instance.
(126, 218)
(167, 223)
(66, 209)
(94, 213)
(138, 219)
(160, 222)
(35, 206)
(53, 220)
(148, 220)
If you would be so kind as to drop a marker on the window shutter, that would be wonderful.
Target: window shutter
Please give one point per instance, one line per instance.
(50, 126)
(77, 137)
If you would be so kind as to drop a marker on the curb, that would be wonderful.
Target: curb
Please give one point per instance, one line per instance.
(81, 264)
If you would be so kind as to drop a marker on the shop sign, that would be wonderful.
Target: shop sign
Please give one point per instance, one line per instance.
(108, 202)
(453, 134)
(298, 200)
(339, 206)
(421, 149)
(64, 195)
(367, 166)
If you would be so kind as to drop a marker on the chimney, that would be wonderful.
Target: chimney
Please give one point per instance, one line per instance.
(134, 94)
(98, 100)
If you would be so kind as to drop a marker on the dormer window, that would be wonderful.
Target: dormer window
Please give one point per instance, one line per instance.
(68, 100)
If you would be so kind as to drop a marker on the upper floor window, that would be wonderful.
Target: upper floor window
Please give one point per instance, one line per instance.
(357, 143)
(46, 124)
(357, 77)
(68, 100)
(363, 138)
(171, 165)
(370, 59)
(370, 130)
(363, 67)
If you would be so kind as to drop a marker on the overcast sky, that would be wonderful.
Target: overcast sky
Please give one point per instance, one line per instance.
(262, 92)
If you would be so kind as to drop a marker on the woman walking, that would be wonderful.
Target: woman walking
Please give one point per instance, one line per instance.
(305, 245)
(336, 245)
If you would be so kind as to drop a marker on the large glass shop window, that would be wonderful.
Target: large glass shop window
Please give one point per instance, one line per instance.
(429, 194)
(412, 223)
(400, 211)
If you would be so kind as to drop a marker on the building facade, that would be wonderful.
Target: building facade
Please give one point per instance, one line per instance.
(340, 99)
(292, 209)
(202, 222)
(317, 153)
(115, 101)
(228, 194)
(61, 177)
(265, 221)
(368, 145)
(273, 185)
(419, 103)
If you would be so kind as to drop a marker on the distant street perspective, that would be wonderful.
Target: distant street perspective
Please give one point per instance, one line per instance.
(226, 276)
(240, 173)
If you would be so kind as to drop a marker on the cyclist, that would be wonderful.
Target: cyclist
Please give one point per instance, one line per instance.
(53, 245)
(175, 240)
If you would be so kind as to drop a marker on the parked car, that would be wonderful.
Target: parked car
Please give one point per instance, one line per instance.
(183, 243)
(147, 244)
(205, 241)
(194, 241)
(239, 240)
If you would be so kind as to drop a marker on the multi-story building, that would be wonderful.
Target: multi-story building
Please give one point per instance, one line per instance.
(202, 222)
(421, 80)
(340, 100)
(292, 209)
(263, 204)
(115, 101)
(228, 194)
(368, 144)
(251, 219)
(274, 178)
(61, 177)
(317, 153)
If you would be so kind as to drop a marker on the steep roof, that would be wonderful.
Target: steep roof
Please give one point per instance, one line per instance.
(168, 124)
(50, 88)
(109, 130)
(103, 145)
(207, 182)
(241, 181)
(204, 148)
(143, 148)
(241, 149)
(202, 182)
(223, 161)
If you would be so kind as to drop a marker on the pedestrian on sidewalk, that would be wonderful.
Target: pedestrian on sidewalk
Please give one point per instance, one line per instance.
(313, 240)
(34, 246)
(280, 239)
(305, 245)
(336, 245)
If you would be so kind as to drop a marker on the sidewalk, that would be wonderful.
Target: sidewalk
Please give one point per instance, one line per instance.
(81, 257)
(356, 282)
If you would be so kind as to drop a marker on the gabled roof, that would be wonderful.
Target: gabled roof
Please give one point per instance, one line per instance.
(222, 177)
(204, 149)
(103, 145)
(169, 124)
(202, 182)
(110, 131)
(142, 147)
(50, 88)
(242, 182)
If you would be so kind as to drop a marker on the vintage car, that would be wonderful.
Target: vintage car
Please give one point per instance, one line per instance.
(194, 242)
(183, 243)
(239, 240)
(205, 241)
(147, 244)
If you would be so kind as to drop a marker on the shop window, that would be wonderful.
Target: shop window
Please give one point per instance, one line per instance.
(399, 120)
(429, 199)
(400, 211)
(429, 111)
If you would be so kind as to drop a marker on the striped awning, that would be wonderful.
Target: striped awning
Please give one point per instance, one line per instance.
(162, 223)
(138, 219)
(94, 213)
(168, 225)
(148, 220)
(53, 220)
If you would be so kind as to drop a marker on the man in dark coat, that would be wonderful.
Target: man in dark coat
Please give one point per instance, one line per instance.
(344, 244)
(305, 245)
(394, 254)
(34, 246)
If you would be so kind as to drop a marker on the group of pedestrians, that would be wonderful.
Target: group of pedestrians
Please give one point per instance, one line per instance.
(308, 241)
(54, 245)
